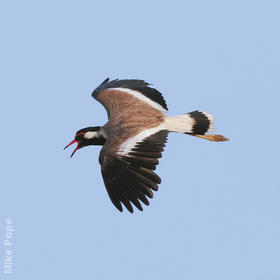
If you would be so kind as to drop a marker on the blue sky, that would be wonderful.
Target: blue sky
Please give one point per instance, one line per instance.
(216, 215)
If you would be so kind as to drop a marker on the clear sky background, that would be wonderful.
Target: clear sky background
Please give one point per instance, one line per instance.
(217, 213)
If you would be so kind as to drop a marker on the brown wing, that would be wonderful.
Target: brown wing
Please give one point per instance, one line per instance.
(128, 174)
(129, 97)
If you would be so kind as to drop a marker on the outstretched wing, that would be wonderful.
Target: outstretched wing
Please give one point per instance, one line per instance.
(119, 96)
(128, 171)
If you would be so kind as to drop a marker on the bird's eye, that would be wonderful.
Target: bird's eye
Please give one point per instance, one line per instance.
(80, 134)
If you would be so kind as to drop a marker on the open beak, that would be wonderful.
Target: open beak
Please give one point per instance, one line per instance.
(72, 142)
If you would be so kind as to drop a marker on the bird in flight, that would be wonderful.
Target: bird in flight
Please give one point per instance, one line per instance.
(134, 137)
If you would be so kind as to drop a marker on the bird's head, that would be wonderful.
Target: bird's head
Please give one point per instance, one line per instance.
(87, 136)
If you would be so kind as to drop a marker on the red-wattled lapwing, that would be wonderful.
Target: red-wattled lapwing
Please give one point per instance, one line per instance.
(134, 138)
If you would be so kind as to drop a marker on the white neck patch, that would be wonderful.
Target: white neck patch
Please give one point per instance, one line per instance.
(91, 134)
(141, 97)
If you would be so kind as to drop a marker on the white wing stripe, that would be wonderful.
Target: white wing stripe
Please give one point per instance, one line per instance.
(141, 97)
(130, 143)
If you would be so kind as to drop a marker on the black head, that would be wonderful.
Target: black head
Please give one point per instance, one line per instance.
(87, 136)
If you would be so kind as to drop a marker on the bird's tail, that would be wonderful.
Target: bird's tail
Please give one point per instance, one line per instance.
(196, 123)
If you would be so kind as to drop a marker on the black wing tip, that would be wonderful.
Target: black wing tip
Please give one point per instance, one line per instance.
(129, 204)
(130, 208)
(105, 81)
(118, 206)
(123, 83)
(100, 87)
